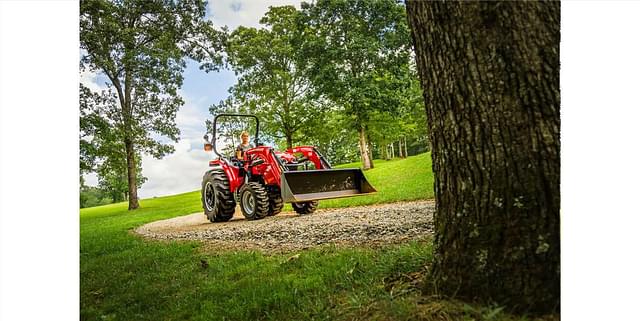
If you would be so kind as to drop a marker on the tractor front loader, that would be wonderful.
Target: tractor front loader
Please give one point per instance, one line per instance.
(264, 179)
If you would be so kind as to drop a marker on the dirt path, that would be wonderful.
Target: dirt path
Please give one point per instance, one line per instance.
(375, 224)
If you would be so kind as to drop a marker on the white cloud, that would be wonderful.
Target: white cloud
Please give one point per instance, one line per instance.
(91, 179)
(176, 173)
(234, 13)
(182, 170)
(90, 80)
(191, 117)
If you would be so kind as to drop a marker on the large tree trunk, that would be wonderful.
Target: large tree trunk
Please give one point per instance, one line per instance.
(364, 149)
(400, 151)
(128, 143)
(490, 79)
(131, 175)
(289, 137)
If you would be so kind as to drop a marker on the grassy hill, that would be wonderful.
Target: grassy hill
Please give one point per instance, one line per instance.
(396, 180)
(124, 277)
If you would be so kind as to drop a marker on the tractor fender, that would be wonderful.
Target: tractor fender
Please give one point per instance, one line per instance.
(232, 173)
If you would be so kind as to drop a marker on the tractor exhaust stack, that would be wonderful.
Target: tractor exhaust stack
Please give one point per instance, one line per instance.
(311, 185)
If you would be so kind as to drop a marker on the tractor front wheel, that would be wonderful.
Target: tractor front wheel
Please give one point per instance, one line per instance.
(254, 201)
(275, 202)
(305, 207)
(217, 199)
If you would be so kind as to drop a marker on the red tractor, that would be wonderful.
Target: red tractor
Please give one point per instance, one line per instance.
(263, 180)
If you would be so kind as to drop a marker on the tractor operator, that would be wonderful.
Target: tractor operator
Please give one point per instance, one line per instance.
(244, 146)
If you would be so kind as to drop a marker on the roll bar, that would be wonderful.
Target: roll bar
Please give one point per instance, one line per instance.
(215, 120)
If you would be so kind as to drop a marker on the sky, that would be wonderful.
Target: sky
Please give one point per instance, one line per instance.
(182, 170)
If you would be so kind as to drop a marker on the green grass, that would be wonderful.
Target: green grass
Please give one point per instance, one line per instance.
(396, 180)
(124, 277)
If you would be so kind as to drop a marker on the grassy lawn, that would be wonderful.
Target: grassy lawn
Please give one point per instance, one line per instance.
(396, 180)
(123, 277)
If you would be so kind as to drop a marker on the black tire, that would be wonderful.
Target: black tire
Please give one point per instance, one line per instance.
(305, 207)
(254, 201)
(275, 202)
(217, 199)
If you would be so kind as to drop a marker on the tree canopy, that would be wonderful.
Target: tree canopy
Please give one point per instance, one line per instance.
(141, 47)
(335, 74)
(358, 56)
(272, 82)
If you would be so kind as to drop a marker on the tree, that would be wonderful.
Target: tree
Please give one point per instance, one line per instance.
(90, 196)
(141, 47)
(112, 175)
(90, 123)
(272, 84)
(100, 149)
(357, 52)
(332, 134)
(407, 120)
(490, 76)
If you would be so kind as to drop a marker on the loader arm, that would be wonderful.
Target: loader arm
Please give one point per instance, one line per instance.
(323, 182)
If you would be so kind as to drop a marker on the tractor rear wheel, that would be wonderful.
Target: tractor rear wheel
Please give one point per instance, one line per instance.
(305, 207)
(254, 201)
(217, 199)
(275, 202)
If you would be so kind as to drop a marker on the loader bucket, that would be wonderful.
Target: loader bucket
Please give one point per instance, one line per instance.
(310, 185)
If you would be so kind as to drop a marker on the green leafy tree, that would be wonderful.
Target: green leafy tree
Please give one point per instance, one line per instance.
(272, 82)
(141, 47)
(357, 55)
(112, 175)
(91, 196)
(100, 149)
(90, 124)
(406, 125)
(385, 128)
(336, 140)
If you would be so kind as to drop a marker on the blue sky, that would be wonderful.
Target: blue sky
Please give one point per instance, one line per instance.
(182, 171)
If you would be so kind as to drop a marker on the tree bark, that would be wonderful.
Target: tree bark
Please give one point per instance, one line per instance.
(364, 149)
(400, 152)
(289, 137)
(405, 147)
(370, 150)
(128, 141)
(385, 151)
(131, 175)
(393, 152)
(490, 79)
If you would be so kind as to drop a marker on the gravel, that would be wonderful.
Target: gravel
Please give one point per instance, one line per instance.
(366, 225)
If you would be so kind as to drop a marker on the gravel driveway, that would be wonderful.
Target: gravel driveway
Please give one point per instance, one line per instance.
(371, 225)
